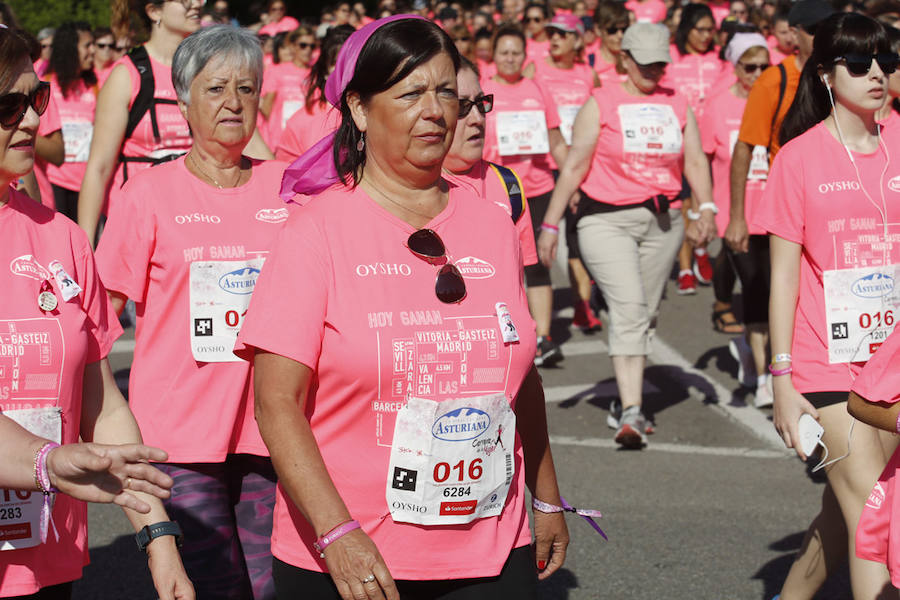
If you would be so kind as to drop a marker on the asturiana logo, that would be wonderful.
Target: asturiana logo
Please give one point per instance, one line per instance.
(894, 184)
(272, 215)
(27, 266)
(876, 285)
(462, 424)
(241, 281)
(475, 268)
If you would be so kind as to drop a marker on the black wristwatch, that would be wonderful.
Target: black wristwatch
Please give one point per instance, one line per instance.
(151, 532)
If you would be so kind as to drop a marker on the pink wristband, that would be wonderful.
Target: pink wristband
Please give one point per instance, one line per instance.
(777, 372)
(333, 535)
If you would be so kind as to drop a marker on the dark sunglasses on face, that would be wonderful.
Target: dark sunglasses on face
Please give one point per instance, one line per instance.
(13, 106)
(860, 64)
(533, 19)
(484, 103)
(750, 68)
(305, 45)
(615, 30)
(102, 46)
(450, 287)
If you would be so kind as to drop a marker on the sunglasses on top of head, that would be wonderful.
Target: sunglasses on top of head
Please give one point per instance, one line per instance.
(860, 64)
(449, 286)
(483, 102)
(14, 105)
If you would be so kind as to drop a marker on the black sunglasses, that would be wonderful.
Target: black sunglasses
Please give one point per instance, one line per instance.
(860, 64)
(105, 46)
(615, 30)
(484, 103)
(450, 287)
(13, 106)
(750, 68)
(305, 45)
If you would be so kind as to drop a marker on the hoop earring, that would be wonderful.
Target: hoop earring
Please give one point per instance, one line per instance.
(361, 144)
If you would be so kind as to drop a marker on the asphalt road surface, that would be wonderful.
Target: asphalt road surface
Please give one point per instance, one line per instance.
(713, 509)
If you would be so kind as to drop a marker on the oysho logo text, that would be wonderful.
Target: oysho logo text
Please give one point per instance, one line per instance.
(838, 186)
(401, 269)
(197, 218)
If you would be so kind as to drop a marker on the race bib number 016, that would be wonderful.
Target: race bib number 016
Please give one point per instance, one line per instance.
(220, 295)
(522, 132)
(451, 462)
(649, 129)
(861, 309)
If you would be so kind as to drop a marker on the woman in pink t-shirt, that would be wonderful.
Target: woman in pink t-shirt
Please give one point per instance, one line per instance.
(105, 55)
(286, 83)
(570, 81)
(537, 42)
(161, 134)
(401, 349)
(832, 268)
(317, 118)
(631, 141)
(186, 243)
(57, 328)
(74, 87)
(695, 68)
(611, 20)
(521, 133)
(719, 127)
(278, 21)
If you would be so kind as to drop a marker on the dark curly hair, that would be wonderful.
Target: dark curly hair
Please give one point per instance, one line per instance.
(64, 62)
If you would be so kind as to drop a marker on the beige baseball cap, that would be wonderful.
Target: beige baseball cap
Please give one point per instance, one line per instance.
(647, 43)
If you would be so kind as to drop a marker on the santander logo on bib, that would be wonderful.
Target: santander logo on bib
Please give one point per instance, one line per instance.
(27, 266)
(475, 268)
(894, 184)
(272, 215)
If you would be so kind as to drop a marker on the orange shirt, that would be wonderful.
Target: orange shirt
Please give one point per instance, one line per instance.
(756, 126)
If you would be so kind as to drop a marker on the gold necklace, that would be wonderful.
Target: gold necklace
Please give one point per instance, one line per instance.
(210, 177)
(395, 203)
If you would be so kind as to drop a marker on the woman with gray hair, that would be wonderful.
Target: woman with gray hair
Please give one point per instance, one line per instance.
(186, 242)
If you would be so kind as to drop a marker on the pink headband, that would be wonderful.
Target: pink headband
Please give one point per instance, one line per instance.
(314, 171)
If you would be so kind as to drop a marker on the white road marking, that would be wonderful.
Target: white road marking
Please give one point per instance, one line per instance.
(607, 443)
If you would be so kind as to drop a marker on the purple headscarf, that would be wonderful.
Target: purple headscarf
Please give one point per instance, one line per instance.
(314, 171)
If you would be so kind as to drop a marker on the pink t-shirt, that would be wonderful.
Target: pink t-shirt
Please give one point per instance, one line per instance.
(284, 24)
(487, 184)
(640, 152)
(174, 133)
(50, 122)
(103, 74)
(76, 113)
(720, 13)
(536, 51)
(569, 89)
(649, 11)
(289, 84)
(169, 232)
(819, 204)
(719, 131)
(694, 75)
(486, 70)
(878, 530)
(523, 96)
(607, 72)
(305, 129)
(374, 331)
(43, 364)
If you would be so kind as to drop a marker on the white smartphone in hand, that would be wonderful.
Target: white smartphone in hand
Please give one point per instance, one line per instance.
(810, 432)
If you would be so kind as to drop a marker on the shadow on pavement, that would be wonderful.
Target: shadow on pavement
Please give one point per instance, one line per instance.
(774, 572)
(117, 571)
(557, 587)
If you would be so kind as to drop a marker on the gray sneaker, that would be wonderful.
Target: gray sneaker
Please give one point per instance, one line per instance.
(614, 414)
(632, 431)
(740, 351)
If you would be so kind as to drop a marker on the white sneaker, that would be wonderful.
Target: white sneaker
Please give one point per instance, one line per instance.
(764, 396)
(740, 351)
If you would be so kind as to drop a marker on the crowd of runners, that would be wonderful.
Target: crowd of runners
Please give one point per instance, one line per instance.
(334, 237)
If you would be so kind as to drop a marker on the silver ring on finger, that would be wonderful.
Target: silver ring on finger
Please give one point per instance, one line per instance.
(369, 578)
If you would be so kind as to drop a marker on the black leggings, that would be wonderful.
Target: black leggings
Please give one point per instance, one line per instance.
(63, 591)
(517, 580)
(538, 275)
(723, 277)
(754, 270)
(66, 202)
